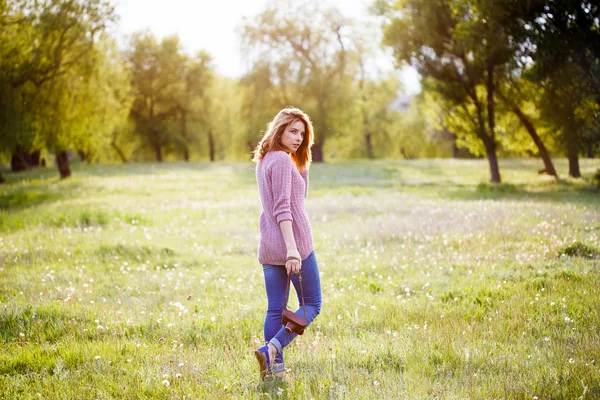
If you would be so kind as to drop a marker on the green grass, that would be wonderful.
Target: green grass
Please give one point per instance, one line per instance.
(436, 284)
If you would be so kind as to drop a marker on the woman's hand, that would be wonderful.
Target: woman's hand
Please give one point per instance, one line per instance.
(293, 263)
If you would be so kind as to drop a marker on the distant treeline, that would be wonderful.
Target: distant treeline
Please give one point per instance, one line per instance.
(499, 78)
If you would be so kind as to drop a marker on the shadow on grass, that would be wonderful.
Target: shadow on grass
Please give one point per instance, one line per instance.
(82, 170)
(448, 180)
(551, 192)
(273, 388)
(21, 197)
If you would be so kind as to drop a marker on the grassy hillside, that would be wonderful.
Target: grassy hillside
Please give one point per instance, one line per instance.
(141, 281)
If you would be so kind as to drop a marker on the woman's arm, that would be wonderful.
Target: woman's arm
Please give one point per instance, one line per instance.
(281, 180)
(305, 177)
(292, 265)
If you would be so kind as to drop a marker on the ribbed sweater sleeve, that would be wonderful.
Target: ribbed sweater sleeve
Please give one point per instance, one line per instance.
(281, 180)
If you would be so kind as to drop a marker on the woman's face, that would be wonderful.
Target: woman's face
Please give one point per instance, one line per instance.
(293, 136)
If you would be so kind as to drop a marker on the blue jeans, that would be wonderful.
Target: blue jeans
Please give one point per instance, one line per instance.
(275, 282)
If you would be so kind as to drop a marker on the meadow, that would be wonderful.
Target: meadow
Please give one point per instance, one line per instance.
(141, 281)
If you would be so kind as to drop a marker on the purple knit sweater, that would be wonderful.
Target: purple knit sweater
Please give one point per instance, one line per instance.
(282, 191)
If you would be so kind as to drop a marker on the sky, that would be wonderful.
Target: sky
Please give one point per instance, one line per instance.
(211, 25)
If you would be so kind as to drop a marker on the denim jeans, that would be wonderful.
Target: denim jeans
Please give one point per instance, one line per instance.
(275, 282)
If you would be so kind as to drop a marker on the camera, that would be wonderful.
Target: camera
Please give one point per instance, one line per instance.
(293, 322)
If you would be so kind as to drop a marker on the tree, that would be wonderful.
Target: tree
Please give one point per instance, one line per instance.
(305, 47)
(81, 109)
(43, 43)
(569, 107)
(156, 78)
(258, 105)
(516, 96)
(195, 101)
(563, 40)
(376, 116)
(458, 46)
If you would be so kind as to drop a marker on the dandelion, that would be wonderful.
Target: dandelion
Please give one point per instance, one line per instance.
(178, 375)
(571, 361)
(97, 357)
(166, 382)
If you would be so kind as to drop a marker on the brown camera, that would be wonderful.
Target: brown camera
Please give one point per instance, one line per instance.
(293, 322)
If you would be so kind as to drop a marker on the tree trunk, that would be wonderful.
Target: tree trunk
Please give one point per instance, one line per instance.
(186, 150)
(85, 157)
(494, 169)
(317, 152)
(489, 140)
(62, 160)
(20, 160)
(573, 160)
(590, 149)
(119, 152)
(549, 166)
(490, 149)
(1, 178)
(369, 145)
(17, 163)
(158, 150)
(454, 149)
(35, 158)
(211, 146)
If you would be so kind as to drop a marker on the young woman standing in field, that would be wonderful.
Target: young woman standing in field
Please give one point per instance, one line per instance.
(283, 157)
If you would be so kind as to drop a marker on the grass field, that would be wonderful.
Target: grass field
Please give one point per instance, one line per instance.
(141, 281)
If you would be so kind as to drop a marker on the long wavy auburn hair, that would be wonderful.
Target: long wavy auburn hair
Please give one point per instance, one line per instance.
(272, 137)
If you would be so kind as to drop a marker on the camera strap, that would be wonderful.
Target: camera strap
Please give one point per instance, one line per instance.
(287, 292)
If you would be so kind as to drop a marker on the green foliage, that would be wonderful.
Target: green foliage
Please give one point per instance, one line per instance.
(500, 78)
(462, 59)
(301, 47)
(171, 95)
(53, 77)
(258, 104)
(578, 249)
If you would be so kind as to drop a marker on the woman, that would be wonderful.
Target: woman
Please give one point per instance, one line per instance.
(286, 245)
